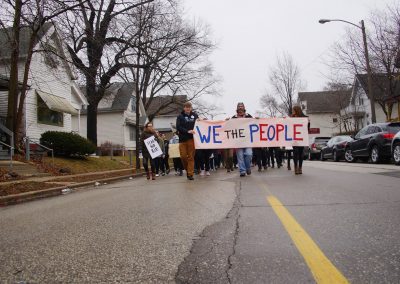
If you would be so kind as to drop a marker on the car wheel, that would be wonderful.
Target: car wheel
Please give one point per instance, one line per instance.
(335, 156)
(348, 156)
(396, 154)
(374, 155)
(321, 157)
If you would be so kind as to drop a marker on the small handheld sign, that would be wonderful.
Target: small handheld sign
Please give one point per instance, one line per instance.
(153, 147)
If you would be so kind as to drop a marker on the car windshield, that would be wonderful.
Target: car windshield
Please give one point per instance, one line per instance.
(322, 139)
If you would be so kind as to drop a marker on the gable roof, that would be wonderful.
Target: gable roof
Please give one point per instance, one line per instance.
(166, 105)
(24, 36)
(383, 86)
(325, 101)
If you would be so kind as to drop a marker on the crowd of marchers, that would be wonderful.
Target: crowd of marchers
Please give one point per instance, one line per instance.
(203, 161)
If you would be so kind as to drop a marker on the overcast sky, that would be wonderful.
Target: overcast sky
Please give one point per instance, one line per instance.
(250, 34)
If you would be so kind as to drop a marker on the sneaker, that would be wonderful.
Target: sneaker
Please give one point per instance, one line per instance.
(157, 175)
(202, 173)
(163, 174)
(242, 174)
(248, 172)
(168, 172)
(208, 173)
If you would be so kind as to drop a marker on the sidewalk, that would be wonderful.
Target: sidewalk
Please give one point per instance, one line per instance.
(66, 184)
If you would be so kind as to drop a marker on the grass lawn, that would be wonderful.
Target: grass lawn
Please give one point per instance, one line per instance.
(90, 164)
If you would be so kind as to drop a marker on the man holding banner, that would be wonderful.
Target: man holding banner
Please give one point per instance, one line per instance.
(184, 125)
(243, 155)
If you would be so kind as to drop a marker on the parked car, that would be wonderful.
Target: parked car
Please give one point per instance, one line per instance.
(373, 142)
(396, 148)
(335, 148)
(315, 145)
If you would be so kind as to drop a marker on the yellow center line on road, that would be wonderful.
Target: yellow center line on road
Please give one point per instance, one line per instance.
(321, 267)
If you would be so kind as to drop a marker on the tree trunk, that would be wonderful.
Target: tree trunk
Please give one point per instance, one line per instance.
(13, 84)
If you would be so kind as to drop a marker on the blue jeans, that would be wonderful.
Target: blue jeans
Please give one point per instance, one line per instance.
(244, 156)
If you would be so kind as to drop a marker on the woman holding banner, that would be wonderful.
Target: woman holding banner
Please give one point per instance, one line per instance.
(185, 124)
(298, 150)
(147, 133)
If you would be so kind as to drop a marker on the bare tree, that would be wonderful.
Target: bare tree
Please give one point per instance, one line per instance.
(270, 106)
(31, 15)
(98, 47)
(284, 80)
(348, 56)
(174, 54)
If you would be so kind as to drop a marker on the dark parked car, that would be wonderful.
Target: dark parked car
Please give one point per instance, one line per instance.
(335, 148)
(396, 148)
(315, 145)
(373, 142)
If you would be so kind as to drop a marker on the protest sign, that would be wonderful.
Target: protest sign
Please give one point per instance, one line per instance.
(173, 151)
(153, 147)
(251, 132)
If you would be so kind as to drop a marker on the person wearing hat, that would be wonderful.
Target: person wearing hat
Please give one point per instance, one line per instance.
(184, 125)
(243, 155)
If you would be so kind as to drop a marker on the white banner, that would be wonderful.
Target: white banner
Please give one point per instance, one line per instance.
(251, 132)
(153, 147)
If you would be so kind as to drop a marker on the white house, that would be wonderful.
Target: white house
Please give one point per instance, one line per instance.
(163, 111)
(53, 97)
(323, 110)
(358, 109)
(116, 117)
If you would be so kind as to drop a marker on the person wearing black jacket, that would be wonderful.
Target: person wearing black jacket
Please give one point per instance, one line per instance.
(184, 125)
(147, 133)
(298, 150)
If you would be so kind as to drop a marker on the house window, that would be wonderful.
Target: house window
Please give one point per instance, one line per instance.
(133, 104)
(361, 101)
(335, 120)
(132, 133)
(48, 116)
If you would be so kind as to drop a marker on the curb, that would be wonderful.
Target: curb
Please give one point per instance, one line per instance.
(54, 191)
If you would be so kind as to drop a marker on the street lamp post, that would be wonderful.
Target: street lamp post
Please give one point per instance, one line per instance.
(369, 76)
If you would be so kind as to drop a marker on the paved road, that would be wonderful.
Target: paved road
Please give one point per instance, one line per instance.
(337, 222)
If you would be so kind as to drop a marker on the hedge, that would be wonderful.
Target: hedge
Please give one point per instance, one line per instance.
(67, 144)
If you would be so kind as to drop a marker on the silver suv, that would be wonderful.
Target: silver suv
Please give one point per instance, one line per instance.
(316, 144)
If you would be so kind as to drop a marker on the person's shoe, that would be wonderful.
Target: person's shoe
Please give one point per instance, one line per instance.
(202, 172)
(180, 173)
(265, 168)
(190, 178)
(153, 176)
(259, 169)
(168, 171)
(228, 170)
(248, 172)
(148, 175)
(242, 174)
(289, 168)
(208, 173)
(300, 171)
(163, 174)
(157, 175)
(296, 170)
(273, 166)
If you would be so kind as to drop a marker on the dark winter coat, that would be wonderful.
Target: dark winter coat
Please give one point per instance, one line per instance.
(146, 134)
(184, 123)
